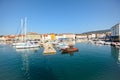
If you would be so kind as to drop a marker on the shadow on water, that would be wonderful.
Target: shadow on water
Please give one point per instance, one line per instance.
(116, 54)
(36, 71)
(69, 53)
(28, 51)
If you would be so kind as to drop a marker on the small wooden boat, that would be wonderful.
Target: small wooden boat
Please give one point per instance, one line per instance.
(70, 49)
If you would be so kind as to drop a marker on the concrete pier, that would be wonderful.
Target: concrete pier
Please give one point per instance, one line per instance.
(48, 49)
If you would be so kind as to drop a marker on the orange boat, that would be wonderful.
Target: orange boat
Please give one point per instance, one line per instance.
(70, 49)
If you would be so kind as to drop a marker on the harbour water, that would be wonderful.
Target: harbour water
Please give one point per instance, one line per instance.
(91, 62)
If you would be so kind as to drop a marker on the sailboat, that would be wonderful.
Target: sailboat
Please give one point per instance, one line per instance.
(27, 44)
(16, 43)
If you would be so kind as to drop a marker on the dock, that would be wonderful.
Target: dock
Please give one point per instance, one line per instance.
(48, 49)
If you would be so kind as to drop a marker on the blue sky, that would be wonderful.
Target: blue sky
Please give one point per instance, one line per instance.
(58, 16)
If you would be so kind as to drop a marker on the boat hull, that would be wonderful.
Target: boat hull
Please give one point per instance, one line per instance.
(69, 50)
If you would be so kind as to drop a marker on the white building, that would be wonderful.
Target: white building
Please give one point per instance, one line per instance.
(115, 30)
(2, 38)
(59, 36)
(91, 36)
(45, 37)
(101, 35)
(81, 36)
(69, 35)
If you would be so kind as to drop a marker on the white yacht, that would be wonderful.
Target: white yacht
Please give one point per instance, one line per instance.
(26, 44)
(17, 44)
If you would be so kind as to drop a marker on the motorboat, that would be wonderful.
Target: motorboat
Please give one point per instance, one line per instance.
(70, 49)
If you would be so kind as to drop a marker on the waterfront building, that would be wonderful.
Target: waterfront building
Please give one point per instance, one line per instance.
(29, 36)
(44, 37)
(47, 37)
(59, 36)
(8, 38)
(19, 37)
(91, 36)
(33, 36)
(53, 36)
(115, 32)
(69, 35)
(100, 35)
(2, 38)
(108, 35)
(81, 36)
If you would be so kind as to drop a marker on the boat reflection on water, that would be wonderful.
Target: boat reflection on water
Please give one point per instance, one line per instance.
(25, 65)
(49, 53)
(25, 54)
(70, 53)
(115, 52)
(29, 50)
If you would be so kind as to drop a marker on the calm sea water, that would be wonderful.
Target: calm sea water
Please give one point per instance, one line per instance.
(92, 62)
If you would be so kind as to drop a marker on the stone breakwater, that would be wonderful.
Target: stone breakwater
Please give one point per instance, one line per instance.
(48, 48)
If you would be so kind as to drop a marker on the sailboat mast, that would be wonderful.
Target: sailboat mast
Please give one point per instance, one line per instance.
(25, 27)
(22, 29)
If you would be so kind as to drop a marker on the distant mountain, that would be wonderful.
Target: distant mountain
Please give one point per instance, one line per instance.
(98, 31)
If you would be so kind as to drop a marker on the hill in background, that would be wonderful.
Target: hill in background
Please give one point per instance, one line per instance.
(98, 31)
